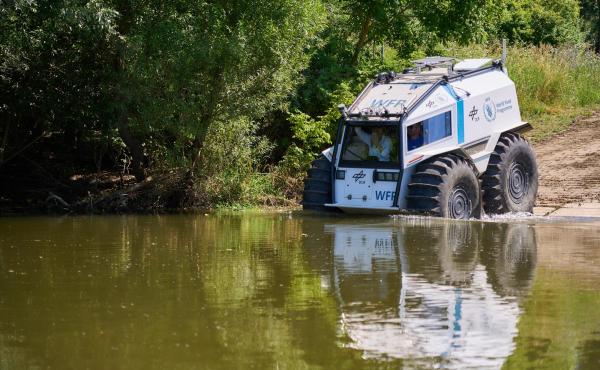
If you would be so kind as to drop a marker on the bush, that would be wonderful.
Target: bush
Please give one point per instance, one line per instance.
(232, 156)
(310, 136)
(538, 22)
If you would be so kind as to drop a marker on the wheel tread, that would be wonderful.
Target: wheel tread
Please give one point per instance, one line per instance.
(317, 186)
(494, 199)
(424, 190)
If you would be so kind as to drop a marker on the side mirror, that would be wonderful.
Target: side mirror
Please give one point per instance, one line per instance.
(343, 110)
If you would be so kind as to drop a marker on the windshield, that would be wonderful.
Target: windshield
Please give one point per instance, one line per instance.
(370, 146)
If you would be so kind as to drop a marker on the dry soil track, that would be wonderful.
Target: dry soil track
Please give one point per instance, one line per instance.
(569, 164)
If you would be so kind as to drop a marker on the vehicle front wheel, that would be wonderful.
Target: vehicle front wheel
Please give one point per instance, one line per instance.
(445, 186)
(317, 186)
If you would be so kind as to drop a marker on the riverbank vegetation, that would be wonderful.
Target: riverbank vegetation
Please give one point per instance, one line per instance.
(119, 106)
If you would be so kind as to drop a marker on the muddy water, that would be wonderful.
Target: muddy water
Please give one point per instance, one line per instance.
(294, 291)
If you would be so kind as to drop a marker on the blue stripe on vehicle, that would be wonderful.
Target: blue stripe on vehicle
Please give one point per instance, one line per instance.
(451, 91)
(460, 112)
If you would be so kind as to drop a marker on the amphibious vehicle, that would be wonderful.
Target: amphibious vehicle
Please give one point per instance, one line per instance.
(442, 138)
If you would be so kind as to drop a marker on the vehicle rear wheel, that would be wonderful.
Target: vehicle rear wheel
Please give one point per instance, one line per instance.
(510, 181)
(317, 186)
(445, 186)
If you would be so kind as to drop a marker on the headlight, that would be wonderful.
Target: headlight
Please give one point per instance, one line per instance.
(386, 176)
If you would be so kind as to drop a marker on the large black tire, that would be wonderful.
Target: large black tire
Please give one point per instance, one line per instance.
(445, 186)
(317, 186)
(510, 182)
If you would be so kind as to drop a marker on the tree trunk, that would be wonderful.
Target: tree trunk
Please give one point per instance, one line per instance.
(4, 141)
(198, 141)
(197, 149)
(124, 25)
(135, 148)
(206, 119)
(362, 38)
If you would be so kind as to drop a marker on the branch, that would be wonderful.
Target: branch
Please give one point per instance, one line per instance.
(362, 38)
(45, 171)
(18, 152)
(52, 196)
(4, 141)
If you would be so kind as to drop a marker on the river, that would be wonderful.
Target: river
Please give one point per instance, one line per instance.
(292, 290)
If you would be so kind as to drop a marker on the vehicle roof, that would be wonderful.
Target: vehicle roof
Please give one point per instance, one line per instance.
(392, 94)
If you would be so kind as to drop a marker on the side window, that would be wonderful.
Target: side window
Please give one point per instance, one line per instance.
(428, 131)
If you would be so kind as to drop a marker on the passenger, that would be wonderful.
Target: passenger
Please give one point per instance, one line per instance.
(380, 145)
(415, 136)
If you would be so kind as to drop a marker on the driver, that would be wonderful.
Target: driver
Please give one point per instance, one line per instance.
(380, 145)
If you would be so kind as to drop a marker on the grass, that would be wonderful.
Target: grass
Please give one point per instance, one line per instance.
(555, 85)
(270, 190)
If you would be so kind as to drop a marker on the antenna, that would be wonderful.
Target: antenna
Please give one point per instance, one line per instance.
(503, 59)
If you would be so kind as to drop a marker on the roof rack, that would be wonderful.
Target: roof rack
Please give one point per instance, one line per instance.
(432, 62)
(435, 61)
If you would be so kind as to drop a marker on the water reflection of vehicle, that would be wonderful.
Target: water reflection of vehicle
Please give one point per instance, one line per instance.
(434, 292)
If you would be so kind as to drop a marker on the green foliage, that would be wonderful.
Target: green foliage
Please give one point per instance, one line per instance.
(310, 133)
(219, 60)
(554, 84)
(344, 94)
(311, 136)
(540, 22)
(54, 57)
(407, 25)
(590, 16)
(165, 75)
(232, 154)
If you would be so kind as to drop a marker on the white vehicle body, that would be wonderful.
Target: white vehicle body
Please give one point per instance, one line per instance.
(477, 103)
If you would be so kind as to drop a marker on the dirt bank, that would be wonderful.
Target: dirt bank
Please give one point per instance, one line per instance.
(569, 164)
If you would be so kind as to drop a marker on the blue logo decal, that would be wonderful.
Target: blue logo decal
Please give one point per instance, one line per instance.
(385, 195)
(473, 114)
(387, 103)
(358, 176)
(489, 110)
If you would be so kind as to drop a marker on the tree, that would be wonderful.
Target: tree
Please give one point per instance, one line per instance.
(160, 73)
(407, 25)
(193, 64)
(52, 65)
(590, 14)
(540, 21)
